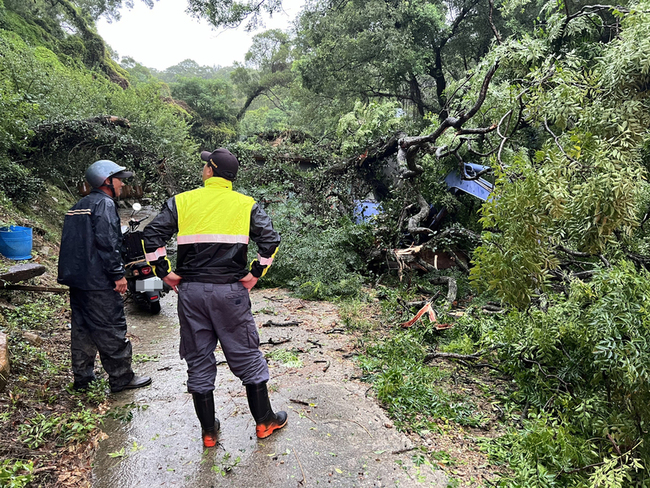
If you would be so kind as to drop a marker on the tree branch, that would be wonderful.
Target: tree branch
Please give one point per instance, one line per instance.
(415, 221)
(410, 146)
(455, 122)
(494, 29)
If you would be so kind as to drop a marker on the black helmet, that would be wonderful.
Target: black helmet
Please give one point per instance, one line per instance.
(223, 163)
(97, 172)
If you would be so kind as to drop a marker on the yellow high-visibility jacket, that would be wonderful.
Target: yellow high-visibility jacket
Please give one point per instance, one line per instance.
(214, 225)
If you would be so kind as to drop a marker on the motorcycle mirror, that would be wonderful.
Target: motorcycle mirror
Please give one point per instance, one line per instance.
(136, 208)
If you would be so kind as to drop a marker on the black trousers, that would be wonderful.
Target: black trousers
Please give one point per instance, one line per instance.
(99, 324)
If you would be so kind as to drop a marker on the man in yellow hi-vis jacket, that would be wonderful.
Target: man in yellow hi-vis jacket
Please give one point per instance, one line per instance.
(212, 279)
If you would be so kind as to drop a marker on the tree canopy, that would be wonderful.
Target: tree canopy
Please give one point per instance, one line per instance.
(393, 50)
(230, 13)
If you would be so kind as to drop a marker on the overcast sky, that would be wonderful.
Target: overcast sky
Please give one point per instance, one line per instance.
(165, 35)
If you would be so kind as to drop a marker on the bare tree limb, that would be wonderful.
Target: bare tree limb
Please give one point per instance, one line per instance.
(452, 231)
(478, 130)
(459, 261)
(409, 146)
(414, 222)
(494, 29)
(452, 287)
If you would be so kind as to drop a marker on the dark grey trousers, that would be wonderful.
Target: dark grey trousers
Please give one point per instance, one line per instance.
(210, 313)
(99, 324)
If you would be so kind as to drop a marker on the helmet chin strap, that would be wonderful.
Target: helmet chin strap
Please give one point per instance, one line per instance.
(111, 186)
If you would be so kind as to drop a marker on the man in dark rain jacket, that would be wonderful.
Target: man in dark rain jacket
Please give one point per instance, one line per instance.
(214, 224)
(90, 263)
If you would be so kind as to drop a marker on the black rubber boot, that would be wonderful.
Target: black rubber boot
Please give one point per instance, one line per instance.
(204, 407)
(266, 420)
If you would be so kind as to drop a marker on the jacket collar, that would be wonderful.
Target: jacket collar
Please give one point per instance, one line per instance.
(218, 182)
(102, 193)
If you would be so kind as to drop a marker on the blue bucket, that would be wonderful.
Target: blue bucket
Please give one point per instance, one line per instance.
(16, 242)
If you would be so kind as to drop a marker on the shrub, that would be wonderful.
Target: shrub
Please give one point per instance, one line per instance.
(18, 183)
(319, 262)
(583, 367)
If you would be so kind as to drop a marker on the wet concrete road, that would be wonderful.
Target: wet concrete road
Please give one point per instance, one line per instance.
(336, 435)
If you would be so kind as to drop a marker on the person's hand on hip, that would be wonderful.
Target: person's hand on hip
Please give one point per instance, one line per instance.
(173, 280)
(249, 281)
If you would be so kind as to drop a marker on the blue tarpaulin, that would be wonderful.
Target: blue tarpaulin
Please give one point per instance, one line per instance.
(364, 210)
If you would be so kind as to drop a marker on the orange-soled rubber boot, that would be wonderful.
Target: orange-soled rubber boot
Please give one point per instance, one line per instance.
(210, 436)
(277, 421)
(204, 407)
(267, 421)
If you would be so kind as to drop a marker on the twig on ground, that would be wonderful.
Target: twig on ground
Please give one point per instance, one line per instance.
(484, 365)
(335, 331)
(299, 402)
(277, 342)
(452, 355)
(271, 323)
(402, 451)
(327, 366)
(301, 470)
(355, 422)
(274, 299)
(306, 404)
(308, 417)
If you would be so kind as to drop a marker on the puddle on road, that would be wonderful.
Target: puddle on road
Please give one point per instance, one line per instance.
(335, 435)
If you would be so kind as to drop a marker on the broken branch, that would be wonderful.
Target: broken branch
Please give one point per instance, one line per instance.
(271, 323)
(275, 342)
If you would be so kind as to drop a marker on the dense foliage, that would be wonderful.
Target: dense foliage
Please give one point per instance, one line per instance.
(322, 252)
(54, 121)
(584, 188)
(582, 368)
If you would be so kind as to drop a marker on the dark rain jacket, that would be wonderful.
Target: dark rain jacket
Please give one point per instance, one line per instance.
(90, 256)
(214, 225)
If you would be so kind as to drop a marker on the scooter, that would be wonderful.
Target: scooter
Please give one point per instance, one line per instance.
(143, 285)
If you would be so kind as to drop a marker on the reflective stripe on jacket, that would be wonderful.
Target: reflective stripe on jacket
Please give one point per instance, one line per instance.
(214, 225)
